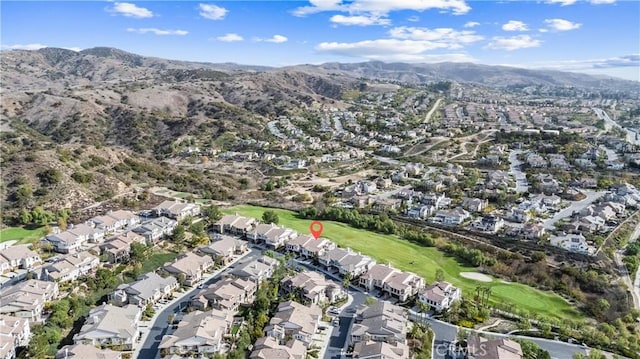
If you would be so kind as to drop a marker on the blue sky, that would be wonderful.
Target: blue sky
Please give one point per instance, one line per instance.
(591, 36)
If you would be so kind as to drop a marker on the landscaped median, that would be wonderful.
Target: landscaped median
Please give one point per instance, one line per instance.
(425, 261)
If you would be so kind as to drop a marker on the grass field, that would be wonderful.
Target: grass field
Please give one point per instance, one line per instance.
(20, 234)
(157, 260)
(401, 254)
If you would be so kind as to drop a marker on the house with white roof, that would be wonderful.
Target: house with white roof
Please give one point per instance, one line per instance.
(20, 256)
(147, 289)
(177, 210)
(296, 321)
(440, 295)
(189, 267)
(108, 325)
(70, 267)
(199, 334)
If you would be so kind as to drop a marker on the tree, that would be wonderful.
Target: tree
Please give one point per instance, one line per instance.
(50, 176)
(139, 252)
(179, 233)
(439, 275)
(25, 217)
(62, 224)
(270, 217)
(212, 214)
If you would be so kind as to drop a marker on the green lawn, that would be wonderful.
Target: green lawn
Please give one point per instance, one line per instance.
(401, 254)
(157, 260)
(20, 234)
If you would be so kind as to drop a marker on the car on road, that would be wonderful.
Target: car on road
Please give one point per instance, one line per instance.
(336, 322)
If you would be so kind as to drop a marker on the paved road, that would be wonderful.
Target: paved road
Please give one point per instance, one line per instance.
(576, 206)
(159, 326)
(631, 135)
(514, 169)
(446, 333)
(339, 342)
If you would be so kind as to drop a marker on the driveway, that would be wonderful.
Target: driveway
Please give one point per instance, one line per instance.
(576, 206)
(514, 169)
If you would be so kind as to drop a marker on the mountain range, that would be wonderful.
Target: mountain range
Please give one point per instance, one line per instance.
(133, 109)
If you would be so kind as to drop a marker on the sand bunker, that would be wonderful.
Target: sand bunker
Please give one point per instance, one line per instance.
(476, 276)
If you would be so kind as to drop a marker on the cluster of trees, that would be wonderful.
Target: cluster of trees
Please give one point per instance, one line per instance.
(531, 350)
(41, 217)
(422, 336)
(65, 312)
(471, 256)
(259, 314)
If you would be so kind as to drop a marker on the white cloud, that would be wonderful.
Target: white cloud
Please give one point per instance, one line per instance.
(23, 47)
(471, 24)
(515, 25)
(230, 37)
(561, 2)
(413, 18)
(513, 43)
(131, 10)
(561, 24)
(627, 66)
(392, 50)
(212, 12)
(277, 39)
(382, 7)
(359, 20)
(155, 31)
(447, 37)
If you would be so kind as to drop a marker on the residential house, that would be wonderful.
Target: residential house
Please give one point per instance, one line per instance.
(83, 230)
(23, 305)
(312, 287)
(156, 229)
(235, 224)
(177, 210)
(436, 200)
(147, 289)
(295, 245)
(377, 276)
(7, 348)
(294, 320)
(271, 235)
(257, 269)
(403, 285)
(130, 237)
(189, 268)
(474, 205)
(316, 248)
(114, 221)
(223, 249)
(226, 294)
(108, 325)
(346, 261)
(270, 348)
(380, 350)
(26, 299)
(573, 243)
(117, 250)
(483, 348)
(533, 231)
(85, 351)
(16, 329)
(440, 295)
(420, 212)
(70, 267)
(65, 242)
(491, 224)
(451, 217)
(198, 334)
(20, 256)
(4, 266)
(380, 322)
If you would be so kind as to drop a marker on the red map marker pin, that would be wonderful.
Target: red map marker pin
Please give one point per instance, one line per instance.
(316, 229)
